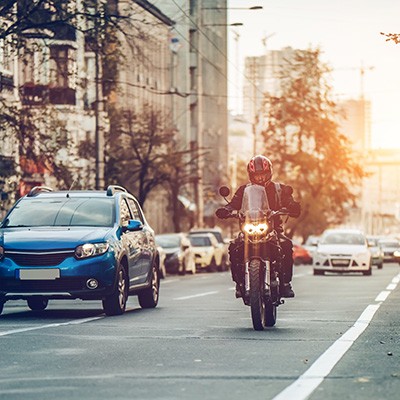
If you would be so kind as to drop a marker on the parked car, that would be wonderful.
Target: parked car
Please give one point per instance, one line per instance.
(376, 251)
(389, 246)
(162, 254)
(301, 255)
(179, 254)
(311, 244)
(89, 245)
(205, 246)
(342, 250)
(221, 252)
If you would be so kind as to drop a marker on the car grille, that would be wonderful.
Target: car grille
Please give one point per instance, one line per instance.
(26, 258)
(340, 262)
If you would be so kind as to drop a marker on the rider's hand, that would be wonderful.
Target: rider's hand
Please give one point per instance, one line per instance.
(222, 213)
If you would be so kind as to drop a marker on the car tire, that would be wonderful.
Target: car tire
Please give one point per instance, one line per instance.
(380, 266)
(37, 303)
(368, 272)
(148, 298)
(115, 303)
(213, 266)
(319, 272)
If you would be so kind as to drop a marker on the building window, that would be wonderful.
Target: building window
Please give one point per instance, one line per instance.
(62, 65)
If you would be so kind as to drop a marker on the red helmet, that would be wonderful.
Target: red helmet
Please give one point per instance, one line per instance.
(259, 169)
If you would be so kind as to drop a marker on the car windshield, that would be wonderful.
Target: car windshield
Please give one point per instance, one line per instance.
(343, 238)
(62, 212)
(168, 241)
(200, 241)
(389, 243)
(217, 235)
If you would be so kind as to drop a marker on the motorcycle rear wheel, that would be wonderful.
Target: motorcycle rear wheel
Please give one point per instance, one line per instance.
(270, 314)
(257, 304)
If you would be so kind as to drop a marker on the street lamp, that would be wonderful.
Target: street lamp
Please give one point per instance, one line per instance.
(233, 8)
(233, 24)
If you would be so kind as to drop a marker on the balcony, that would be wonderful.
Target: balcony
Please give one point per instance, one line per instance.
(62, 96)
(36, 95)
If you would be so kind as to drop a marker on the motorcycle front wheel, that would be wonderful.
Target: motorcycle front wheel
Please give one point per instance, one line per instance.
(257, 304)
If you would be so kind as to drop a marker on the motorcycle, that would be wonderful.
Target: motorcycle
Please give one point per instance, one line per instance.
(260, 284)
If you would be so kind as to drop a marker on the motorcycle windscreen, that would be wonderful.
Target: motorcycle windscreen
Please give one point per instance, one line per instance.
(255, 202)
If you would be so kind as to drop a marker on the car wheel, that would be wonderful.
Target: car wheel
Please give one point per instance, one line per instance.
(368, 272)
(213, 266)
(115, 303)
(37, 303)
(148, 298)
(318, 272)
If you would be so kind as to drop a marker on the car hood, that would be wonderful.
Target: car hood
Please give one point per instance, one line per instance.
(171, 250)
(50, 239)
(341, 248)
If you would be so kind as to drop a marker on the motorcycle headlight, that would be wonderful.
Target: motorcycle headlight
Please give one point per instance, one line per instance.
(91, 249)
(255, 229)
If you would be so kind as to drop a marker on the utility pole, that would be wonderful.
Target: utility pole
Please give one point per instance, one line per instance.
(199, 185)
(98, 131)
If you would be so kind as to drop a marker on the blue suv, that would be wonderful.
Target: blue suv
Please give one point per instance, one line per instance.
(89, 245)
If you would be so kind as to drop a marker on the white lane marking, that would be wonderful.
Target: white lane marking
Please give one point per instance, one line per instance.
(382, 296)
(396, 279)
(313, 377)
(319, 370)
(195, 295)
(391, 286)
(34, 328)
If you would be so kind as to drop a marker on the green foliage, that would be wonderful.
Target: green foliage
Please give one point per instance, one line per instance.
(307, 150)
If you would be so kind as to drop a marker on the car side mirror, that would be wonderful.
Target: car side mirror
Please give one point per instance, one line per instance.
(134, 225)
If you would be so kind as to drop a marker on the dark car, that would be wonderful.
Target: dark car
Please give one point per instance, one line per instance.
(89, 245)
(391, 249)
(179, 254)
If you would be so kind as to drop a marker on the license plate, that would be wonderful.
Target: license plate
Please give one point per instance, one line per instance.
(344, 263)
(39, 274)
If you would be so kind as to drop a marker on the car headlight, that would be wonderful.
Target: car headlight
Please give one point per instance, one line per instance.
(396, 253)
(91, 249)
(1, 252)
(255, 229)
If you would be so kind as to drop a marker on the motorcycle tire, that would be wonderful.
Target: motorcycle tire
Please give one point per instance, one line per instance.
(257, 304)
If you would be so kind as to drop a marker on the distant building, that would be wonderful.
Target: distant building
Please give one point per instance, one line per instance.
(381, 192)
(355, 122)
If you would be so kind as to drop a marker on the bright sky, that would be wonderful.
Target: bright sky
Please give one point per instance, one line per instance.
(348, 33)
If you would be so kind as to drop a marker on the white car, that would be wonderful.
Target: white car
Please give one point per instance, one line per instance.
(205, 246)
(342, 250)
(221, 251)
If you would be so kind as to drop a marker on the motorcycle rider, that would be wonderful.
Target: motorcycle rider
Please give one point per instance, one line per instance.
(259, 170)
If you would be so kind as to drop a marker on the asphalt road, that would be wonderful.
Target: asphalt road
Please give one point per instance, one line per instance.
(337, 339)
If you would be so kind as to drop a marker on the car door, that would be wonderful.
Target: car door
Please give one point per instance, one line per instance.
(133, 243)
(147, 241)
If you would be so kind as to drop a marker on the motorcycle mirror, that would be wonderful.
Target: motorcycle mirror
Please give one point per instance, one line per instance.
(224, 191)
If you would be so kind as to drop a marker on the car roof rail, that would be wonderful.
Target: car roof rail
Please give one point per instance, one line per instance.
(111, 189)
(37, 189)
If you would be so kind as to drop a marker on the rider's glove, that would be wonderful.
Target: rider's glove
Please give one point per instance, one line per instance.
(222, 213)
